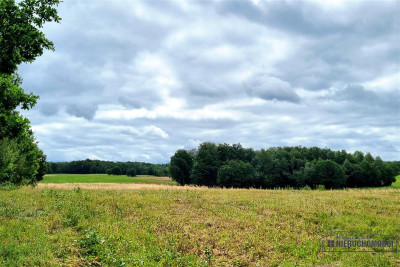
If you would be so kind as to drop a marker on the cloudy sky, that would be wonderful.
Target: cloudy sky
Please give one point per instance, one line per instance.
(137, 80)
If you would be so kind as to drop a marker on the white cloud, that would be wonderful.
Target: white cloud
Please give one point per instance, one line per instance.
(388, 83)
(155, 131)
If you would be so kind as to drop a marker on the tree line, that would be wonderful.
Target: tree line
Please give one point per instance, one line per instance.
(89, 166)
(227, 165)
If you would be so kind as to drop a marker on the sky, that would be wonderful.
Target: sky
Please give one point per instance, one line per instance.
(138, 80)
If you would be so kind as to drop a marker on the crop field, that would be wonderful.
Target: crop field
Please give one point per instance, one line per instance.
(188, 226)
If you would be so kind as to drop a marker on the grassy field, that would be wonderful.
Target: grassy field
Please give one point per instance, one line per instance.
(187, 226)
(104, 178)
(190, 226)
(397, 183)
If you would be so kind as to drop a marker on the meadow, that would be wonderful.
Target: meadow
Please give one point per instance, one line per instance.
(104, 178)
(396, 184)
(191, 226)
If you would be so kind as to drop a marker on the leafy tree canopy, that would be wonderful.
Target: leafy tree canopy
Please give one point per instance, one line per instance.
(236, 173)
(234, 166)
(180, 166)
(20, 37)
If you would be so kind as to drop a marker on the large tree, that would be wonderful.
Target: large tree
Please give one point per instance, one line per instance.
(21, 41)
(181, 166)
(236, 173)
(206, 164)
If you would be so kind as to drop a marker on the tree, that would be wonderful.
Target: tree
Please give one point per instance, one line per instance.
(205, 166)
(236, 173)
(234, 152)
(370, 171)
(180, 167)
(20, 37)
(234, 166)
(116, 170)
(324, 172)
(386, 174)
(272, 167)
(21, 41)
(355, 174)
(131, 172)
(12, 162)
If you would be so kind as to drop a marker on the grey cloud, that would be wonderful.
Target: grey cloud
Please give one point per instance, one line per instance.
(307, 18)
(83, 111)
(338, 48)
(271, 88)
(48, 109)
(140, 99)
(357, 94)
(301, 46)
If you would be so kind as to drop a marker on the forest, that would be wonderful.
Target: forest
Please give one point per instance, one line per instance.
(89, 166)
(225, 165)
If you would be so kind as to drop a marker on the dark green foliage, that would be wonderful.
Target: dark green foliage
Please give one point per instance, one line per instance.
(20, 37)
(324, 172)
(370, 171)
(234, 152)
(89, 166)
(131, 172)
(354, 173)
(273, 167)
(20, 162)
(12, 162)
(236, 173)
(16, 129)
(206, 164)
(296, 167)
(180, 166)
(116, 170)
(21, 41)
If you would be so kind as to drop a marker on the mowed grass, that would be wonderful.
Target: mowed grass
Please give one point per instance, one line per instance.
(104, 178)
(191, 226)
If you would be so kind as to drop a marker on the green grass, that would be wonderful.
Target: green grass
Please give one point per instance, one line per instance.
(103, 178)
(397, 183)
(190, 227)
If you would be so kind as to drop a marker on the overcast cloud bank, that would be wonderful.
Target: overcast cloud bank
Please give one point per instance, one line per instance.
(138, 80)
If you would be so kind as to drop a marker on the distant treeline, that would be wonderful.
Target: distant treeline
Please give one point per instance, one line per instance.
(98, 166)
(234, 166)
